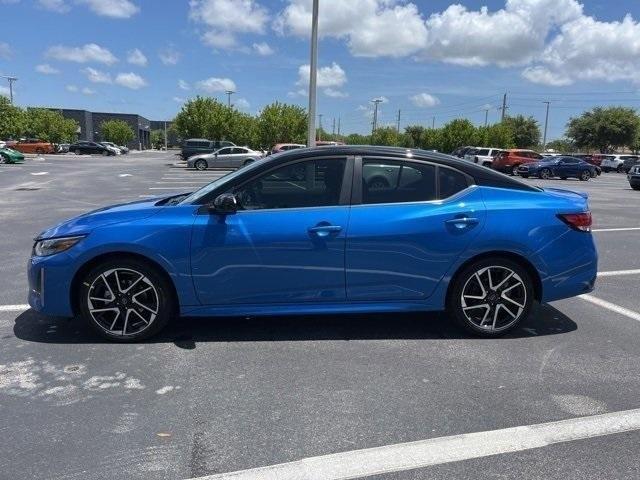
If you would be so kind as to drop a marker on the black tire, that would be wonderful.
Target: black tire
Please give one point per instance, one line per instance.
(620, 169)
(522, 292)
(3, 159)
(525, 175)
(544, 174)
(77, 152)
(248, 161)
(161, 299)
(39, 151)
(635, 187)
(514, 170)
(563, 178)
(106, 153)
(200, 165)
(585, 176)
(605, 169)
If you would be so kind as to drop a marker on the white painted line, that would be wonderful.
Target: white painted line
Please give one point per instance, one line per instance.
(435, 451)
(185, 188)
(14, 308)
(39, 173)
(614, 273)
(125, 175)
(612, 306)
(615, 229)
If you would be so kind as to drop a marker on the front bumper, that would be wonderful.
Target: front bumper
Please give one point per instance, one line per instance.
(50, 285)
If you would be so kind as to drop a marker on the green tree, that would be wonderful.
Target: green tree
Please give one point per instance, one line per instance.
(204, 117)
(280, 122)
(562, 145)
(117, 131)
(605, 128)
(526, 131)
(499, 135)
(412, 137)
(50, 125)
(12, 120)
(357, 139)
(244, 130)
(385, 136)
(157, 138)
(457, 133)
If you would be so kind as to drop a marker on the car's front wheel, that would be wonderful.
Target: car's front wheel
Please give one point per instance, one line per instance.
(491, 297)
(514, 170)
(200, 165)
(3, 160)
(545, 174)
(126, 300)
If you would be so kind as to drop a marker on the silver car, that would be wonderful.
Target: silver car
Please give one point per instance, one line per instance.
(226, 157)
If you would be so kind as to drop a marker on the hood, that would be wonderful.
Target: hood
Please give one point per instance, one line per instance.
(87, 222)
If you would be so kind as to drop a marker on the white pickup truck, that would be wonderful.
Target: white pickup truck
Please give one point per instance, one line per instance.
(482, 156)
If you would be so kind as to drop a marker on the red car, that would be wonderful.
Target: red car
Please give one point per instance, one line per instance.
(509, 160)
(32, 145)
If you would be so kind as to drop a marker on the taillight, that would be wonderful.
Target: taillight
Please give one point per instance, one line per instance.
(577, 221)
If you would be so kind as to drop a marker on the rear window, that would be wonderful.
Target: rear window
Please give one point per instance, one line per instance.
(451, 182)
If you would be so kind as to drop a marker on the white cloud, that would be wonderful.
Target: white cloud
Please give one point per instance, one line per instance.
(96, 76)
(136, 57)
(5, 51)
(4, 91)
(169, 55)
(263, 49)
(183, 85)
(178, 99)
(85, 54)
(329, 78)
(371, 28)
(587, 49)
(242, 104)
(71, 88)
(88, 91)
(224, 19)
(130, 80)
(112, 8)
(216, 85)
(46, 69)
(58, 6)
(424, 100)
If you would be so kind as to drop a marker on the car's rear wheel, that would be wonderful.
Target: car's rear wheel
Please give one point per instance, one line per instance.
(248, 161)
(620, 169)
(491, 297)
(3, 159)
(126, 300)
(39, 151)
(200, 165)
(585, 175)
(514, 170)
(545, 174)
(635, 187)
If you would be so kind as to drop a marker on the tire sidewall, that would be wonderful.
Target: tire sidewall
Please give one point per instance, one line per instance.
(167, 305)
(200, 162)
(454, 305)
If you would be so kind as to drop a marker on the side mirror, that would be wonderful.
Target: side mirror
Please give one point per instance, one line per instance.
(225, 204)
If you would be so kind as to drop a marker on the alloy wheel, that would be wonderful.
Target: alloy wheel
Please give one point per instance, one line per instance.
(584, 176)
(493, 298)
(123, 302)
(545, 173)
(201, 165)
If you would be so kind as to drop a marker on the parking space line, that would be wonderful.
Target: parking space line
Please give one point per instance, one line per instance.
(14, 308)
(612, 307)
(180, 187)
(627, 229)
(435, 451)
(614, 273)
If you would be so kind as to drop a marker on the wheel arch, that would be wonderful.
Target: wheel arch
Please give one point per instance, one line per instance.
(103, 257)
(514, 257)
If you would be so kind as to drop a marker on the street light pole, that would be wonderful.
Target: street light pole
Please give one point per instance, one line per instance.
(10, 79)
(229, 93)
(165, 136)
(546, 123)
(313, 72)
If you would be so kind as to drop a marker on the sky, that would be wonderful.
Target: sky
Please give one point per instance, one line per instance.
(431, 59)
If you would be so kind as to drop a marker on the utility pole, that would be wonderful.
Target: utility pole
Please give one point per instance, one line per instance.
(338, 126)
(546, 123)
(504, 106)
(320, 126)
(313, 67)
(398, 122)
(375, 115)
(433, 123)
(229, 93)
(10, 79)
(165, 136)
(486, 117)
(333, 130)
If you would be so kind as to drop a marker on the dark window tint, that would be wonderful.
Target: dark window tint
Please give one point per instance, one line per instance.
(225, 151)
(570, 160)
(239, 150)
(312, 183)
(387, 181)
(451, 182)
(483, 152)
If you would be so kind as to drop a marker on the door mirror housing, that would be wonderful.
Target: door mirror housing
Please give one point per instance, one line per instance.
(225, 204)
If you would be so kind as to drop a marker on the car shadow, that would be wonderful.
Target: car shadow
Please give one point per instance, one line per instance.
(187, 332)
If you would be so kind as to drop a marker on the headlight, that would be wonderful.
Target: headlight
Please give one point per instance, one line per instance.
(44, 248)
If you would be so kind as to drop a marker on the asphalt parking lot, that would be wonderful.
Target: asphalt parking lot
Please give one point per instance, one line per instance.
(211, 396)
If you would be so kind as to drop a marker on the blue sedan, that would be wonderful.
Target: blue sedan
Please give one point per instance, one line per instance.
(322, 231)
(563, 167)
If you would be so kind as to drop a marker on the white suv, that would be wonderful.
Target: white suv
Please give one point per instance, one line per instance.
(482, 156)
(616, 162)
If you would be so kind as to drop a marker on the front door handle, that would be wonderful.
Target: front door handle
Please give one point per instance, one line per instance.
(462, 222)
(325, 230)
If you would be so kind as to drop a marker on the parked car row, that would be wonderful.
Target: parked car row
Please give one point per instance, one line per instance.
(226, 157)
(41, 147)
(9, 155)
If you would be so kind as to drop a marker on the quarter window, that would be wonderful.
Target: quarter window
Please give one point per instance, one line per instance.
(312, 183)
(386, 181)
(451, 182)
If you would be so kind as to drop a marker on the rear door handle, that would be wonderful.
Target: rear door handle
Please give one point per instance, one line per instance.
(462, 222)
(325, 230)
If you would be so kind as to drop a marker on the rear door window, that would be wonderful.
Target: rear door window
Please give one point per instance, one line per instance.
(451, 182)
(483, 152)
(395, 181)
